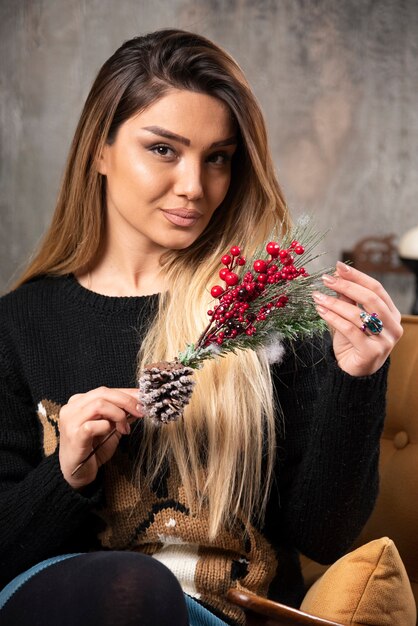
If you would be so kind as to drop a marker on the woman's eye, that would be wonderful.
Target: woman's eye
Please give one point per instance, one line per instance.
(163, 151)
(220, 158)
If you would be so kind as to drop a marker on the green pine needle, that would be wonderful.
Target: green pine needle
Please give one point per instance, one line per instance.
(297, 319)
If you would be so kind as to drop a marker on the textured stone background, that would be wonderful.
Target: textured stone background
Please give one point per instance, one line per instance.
(338, 81)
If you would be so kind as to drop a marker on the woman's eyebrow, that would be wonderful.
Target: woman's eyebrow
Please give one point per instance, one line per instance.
(167, 134)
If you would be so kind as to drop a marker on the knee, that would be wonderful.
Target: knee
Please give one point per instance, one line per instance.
(100, 589)
(129, 567)
(142, 586)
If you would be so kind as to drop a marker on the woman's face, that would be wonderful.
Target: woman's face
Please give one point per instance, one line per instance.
(168, 170)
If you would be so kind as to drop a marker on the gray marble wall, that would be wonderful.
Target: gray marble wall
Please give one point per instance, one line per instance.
(337, 79)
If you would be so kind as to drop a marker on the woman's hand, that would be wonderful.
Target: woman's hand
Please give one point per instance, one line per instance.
(85, 420)
(358, 353)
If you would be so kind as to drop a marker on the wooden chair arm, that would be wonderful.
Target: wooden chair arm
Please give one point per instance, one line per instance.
(262, 612)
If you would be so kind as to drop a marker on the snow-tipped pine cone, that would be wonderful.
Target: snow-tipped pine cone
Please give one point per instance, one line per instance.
(164, 390)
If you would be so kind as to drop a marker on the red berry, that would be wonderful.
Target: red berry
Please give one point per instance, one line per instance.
(216, 291)
(226, 259)
(231, 279)
(294, 243)
(283, 254)
(299, 249)
(273, 249)
(210, 313)
(260, 266)
(262, 278)
(223, 272)
(235, 251)
(241, 260)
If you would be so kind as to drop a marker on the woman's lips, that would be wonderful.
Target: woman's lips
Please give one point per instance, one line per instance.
(181, 217)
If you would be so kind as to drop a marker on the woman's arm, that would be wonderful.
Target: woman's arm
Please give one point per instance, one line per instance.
(333, 401)
(328, 450)
(40, 514)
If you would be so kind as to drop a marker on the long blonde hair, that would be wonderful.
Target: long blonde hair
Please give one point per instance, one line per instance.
(224, 448)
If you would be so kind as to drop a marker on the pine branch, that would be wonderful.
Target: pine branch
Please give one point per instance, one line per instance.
(270, 294)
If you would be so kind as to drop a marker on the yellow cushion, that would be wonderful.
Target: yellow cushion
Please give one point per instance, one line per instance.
(367, 587)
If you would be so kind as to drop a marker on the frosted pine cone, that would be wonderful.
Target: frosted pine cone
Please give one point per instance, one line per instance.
(164, 390)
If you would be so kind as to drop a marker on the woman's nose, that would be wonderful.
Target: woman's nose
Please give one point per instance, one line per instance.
(189, 180)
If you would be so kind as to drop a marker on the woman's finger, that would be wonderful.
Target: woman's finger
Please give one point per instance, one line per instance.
(95, 409)
(358, 287)
(367, 299)
(354, 334)
(91, 430)
(125, 399)
(345, 308)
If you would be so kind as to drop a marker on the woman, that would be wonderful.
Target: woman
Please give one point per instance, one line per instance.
(169, 167)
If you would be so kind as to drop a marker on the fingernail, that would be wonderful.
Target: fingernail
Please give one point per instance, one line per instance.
(318, 296)
(343, 267)
(321, 309)
(138, 408)
(329, 279)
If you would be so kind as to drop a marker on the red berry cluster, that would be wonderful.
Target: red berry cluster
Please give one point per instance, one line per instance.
(234, 314)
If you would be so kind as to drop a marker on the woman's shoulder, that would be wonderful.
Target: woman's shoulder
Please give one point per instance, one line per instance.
(31, 295)
(30, 307)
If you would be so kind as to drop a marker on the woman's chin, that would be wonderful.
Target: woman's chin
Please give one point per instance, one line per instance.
(181, 241)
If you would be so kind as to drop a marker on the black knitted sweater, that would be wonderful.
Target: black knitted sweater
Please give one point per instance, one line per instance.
(58, 338)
